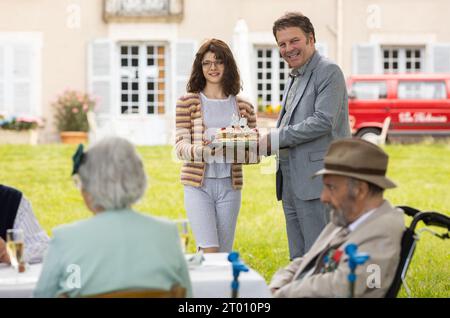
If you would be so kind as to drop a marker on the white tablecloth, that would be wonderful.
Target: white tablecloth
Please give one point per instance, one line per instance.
(210, 280)
(15, 285)
(213, 280)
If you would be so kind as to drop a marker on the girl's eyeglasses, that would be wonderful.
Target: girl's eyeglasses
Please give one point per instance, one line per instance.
(208, 64)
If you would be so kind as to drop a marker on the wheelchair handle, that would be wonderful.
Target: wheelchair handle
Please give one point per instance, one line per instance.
(429, 218)
(436, 219)
(408, 210)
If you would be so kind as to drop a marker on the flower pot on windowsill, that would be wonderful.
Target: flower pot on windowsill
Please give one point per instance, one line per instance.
(74, 137)
(24, 137)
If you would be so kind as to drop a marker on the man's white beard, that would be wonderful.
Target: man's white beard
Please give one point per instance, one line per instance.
(337, 217)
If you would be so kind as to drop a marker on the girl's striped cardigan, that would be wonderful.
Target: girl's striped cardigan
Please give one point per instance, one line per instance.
(189, 141)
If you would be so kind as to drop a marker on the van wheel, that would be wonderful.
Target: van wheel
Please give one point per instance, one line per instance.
(369, 134)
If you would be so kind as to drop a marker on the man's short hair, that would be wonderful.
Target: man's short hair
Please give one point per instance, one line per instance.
(373, 188)
(294, 19)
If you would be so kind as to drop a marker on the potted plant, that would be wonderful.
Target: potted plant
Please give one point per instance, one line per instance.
(19, 130)
(267, 110)
(72, 108)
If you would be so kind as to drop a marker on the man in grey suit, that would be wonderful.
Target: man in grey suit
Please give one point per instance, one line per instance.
(314, 113)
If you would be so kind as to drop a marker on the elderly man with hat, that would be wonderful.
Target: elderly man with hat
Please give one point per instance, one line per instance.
(354, 179)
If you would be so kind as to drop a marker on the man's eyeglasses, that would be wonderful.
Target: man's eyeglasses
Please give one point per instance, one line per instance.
(208, 64)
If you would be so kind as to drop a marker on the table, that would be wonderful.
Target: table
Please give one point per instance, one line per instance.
(15, 285)
(212, 279)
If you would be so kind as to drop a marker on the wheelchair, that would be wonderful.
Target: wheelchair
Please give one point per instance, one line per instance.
(409, 242)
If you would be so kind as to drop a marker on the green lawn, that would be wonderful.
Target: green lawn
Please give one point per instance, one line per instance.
(422, 172)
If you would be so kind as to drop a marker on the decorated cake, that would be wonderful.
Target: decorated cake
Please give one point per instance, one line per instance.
(238, 141)
(238, 131)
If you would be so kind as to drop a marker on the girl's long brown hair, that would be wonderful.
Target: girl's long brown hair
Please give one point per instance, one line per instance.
(231, 81)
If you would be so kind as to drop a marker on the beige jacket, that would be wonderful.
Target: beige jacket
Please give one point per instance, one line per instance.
(379, 236)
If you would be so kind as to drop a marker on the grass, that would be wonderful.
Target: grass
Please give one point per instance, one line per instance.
(422, 172)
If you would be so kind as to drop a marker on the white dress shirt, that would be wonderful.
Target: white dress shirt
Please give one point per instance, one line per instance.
(360, 220)
(36, 240)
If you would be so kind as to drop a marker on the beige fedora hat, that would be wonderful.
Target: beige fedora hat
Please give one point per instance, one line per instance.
(357, 158)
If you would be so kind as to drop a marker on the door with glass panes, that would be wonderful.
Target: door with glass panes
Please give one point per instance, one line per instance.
(272, 73)
(143, 78)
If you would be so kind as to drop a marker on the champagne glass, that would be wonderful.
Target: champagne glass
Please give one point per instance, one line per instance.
(183, 231)
(15, 246)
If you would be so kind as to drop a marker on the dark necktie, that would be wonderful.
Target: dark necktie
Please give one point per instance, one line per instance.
(293, 76)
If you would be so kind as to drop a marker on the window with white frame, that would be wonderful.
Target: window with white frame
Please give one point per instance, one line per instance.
(284, 71)
(2, 80)
(19, 86)
(272, 73)
(403, 59)
(143, 77)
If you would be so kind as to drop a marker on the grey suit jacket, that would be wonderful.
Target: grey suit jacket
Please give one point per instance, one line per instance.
(319, 115)
(379, 235)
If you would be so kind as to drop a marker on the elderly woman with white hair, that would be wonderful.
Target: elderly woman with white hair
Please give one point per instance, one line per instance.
(117, 249)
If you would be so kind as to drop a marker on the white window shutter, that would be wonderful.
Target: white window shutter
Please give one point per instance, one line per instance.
(184, 58)
(440, 58)
(2, 63)
(2, 80)
(101, 74)
(366, 59)
(22, 79)
(322, 48)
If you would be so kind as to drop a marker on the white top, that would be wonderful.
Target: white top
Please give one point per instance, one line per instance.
(217, 113)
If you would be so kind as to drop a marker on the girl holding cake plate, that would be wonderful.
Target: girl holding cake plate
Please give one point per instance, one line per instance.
(212, 185)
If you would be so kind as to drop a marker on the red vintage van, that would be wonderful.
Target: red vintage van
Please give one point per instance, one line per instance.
(417, 104)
